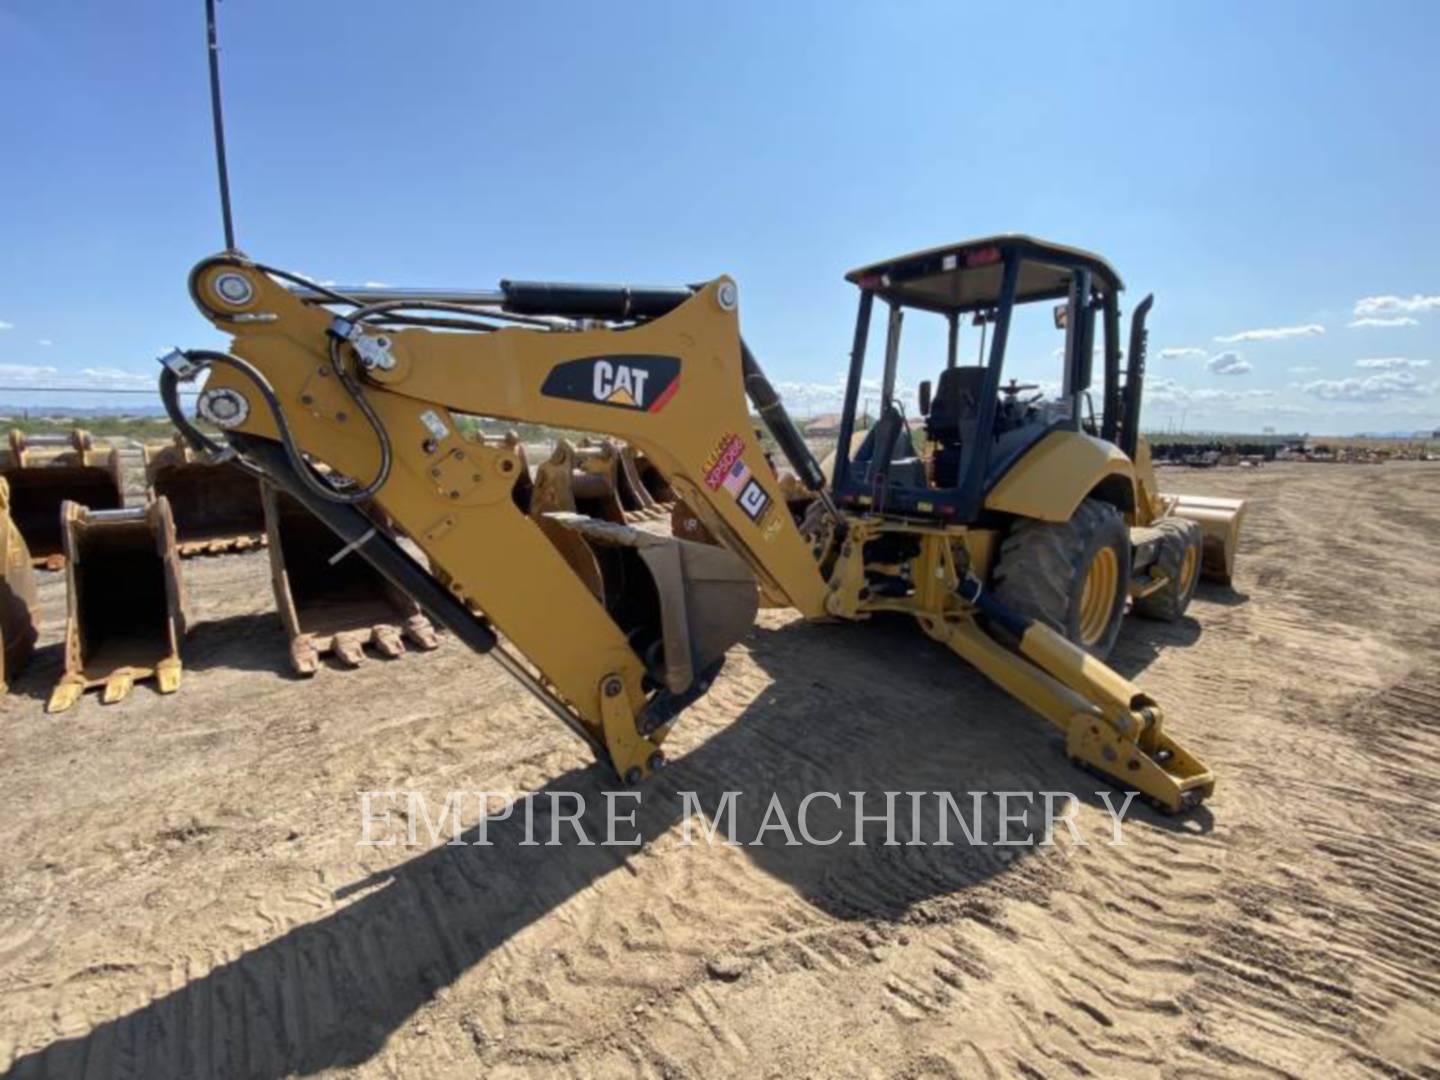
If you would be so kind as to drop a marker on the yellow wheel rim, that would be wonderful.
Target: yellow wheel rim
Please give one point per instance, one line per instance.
(1097, 596)
(1188, 566)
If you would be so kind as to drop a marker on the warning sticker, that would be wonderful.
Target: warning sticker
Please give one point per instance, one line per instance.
(725, 469)
(722, 460)
(431, 419)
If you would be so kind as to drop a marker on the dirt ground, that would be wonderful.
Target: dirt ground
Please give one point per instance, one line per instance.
(182, 894)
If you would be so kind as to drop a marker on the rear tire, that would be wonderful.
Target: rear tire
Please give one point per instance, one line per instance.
(1073, 576)
(1179, 559)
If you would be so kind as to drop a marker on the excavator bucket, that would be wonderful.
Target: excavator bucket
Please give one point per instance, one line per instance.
(19, 609)
(45, 471)
(216, 506)
(331, 600)
(643, 487)
(125, 608)
(1219, 520)
(681, 604)
(601, 481)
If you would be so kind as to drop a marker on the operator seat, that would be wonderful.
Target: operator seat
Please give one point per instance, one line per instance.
(906, 468)
(954, 411)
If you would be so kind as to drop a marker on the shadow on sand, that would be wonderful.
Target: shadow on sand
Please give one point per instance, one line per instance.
(888, 711)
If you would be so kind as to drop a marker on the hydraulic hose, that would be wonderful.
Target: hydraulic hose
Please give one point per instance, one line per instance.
(204, 358)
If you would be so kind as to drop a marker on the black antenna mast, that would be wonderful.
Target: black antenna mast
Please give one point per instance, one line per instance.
(214, 49)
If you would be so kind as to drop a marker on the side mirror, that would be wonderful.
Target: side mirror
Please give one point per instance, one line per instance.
(1062, 316)
(925, 398)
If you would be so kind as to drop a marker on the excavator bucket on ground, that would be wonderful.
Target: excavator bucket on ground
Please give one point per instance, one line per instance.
(216, 506)
(45, 471)
(125, 608)
(19, 609)
(1219, 521)
(331, 600)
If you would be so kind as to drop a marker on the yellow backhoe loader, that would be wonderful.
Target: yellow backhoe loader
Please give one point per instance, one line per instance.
(1015, 542)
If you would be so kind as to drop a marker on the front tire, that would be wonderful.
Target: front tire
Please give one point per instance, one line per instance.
(1178, 558)
(1073, 576)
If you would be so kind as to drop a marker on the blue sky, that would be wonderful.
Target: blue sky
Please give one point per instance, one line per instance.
(1260, 167)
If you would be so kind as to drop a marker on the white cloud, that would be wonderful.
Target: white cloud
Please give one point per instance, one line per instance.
(1301, 369)
(1391, 363)
(26, 371)
(1398, 320)
(6, 325)
(1227, 363)
(1395, 305)
(804, 399)
(376, 284)
(117, 377)
(1275, 333)
(1181, 353)
(45, 341)
(1167, 393)
(1386, 386)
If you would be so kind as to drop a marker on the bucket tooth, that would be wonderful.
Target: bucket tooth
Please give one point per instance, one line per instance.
(304, 656)
(43, 473)
(348, 649)
(331, 602)
(167, 676)
(386, 640)
(66, 693)
(125, 602)
(418, 631)
(117, 687)
(216, 506)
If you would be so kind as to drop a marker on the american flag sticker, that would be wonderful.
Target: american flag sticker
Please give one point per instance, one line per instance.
(736, 478)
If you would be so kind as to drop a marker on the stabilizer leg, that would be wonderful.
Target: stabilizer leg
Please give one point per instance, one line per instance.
(1110, 725)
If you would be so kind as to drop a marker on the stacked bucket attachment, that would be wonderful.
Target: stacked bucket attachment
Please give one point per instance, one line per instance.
(46, 471)
(19, 610)
(603, 481)
(331, 600)
(125, 613)
(216, 506)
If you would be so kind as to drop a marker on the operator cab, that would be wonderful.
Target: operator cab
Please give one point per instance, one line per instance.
(975, 424)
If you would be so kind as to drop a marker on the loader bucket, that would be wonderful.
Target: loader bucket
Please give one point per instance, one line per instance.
(19, 608)
(47, 471)
(1219, 520)
(216, 506)
(680, 604)
(332, 601)
(125, 604)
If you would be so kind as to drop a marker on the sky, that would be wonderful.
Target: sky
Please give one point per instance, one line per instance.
(1269, 171)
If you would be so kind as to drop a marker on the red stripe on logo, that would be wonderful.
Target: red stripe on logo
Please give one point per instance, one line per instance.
(659, 402)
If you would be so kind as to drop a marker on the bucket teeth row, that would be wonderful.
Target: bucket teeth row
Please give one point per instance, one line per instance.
(125, 597)
(332, 602)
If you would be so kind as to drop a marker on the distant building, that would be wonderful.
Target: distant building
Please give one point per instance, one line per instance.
(823, 426)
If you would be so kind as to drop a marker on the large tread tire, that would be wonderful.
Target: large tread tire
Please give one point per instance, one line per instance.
(1042, 567)
(1169, 604)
